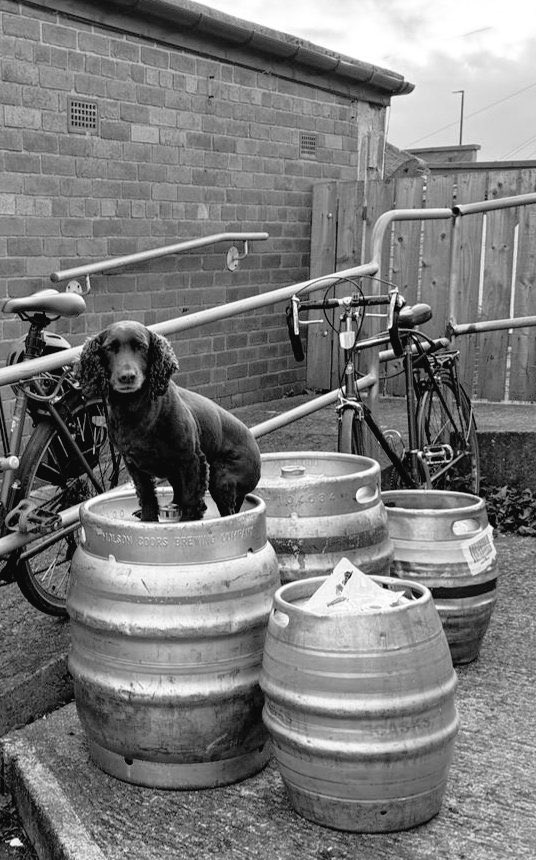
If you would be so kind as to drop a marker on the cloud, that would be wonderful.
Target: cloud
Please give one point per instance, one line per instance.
(499, 104)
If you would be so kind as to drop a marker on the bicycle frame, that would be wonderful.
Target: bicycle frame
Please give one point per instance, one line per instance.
(415, 469)
(23, 518)
(349, 397)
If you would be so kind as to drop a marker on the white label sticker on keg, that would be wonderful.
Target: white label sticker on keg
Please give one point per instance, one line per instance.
(479, 551)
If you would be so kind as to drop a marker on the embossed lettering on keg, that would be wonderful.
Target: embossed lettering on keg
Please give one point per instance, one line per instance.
(167, 626)
(322, 506)
(443, 539)
(360, 708)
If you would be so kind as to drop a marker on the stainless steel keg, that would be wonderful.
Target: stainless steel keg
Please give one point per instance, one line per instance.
(360, 708)
(322, 506)
(443, 539)
(167, 625)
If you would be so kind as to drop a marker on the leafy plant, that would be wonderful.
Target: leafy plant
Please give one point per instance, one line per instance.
(510, 509)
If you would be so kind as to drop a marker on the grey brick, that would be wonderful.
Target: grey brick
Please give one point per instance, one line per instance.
(24, 247)
(90, 85)
(18, 72)
(94, 44)
(10, 139)
(36, 141)
(34, 97)
(155, 57)
(54, 34)
(21, 162)
(21, 27)
(54, 79)
(125, 50)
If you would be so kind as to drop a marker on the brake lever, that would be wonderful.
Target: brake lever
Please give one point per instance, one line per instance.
(293, 326)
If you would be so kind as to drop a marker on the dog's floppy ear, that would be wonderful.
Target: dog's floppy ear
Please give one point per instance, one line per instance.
(162, 364)
(91, 371)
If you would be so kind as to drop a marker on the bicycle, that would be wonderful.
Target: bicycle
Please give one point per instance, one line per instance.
(66, 458)
(442, 449)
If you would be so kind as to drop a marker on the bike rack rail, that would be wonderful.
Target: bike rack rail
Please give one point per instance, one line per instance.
(24, 370)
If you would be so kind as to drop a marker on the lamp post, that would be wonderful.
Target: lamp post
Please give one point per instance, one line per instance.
(461, 112)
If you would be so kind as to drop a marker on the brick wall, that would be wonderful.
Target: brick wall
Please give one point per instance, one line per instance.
(186, 146)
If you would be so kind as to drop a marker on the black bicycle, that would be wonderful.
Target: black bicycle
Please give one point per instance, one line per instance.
(440, 450)
(57, 454)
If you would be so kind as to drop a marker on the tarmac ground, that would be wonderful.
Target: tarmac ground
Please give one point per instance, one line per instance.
(71, 809)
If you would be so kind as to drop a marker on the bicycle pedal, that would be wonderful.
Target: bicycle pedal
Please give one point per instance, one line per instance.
(27, 517)
(438, 455)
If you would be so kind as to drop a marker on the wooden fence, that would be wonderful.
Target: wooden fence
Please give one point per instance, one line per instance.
(494, 252)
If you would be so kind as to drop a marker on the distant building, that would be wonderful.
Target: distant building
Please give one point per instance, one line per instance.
(447, 154)
(399, 162)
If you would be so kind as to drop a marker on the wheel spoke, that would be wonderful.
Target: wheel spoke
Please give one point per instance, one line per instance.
(445, 417)
(52, 478)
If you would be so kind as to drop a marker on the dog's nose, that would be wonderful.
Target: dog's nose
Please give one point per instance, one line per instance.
(127, 376)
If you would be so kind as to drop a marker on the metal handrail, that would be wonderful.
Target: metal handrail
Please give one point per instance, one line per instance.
(26, 369)
(496, 203)
(152, 254)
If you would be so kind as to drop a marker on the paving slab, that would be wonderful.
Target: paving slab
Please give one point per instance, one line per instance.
(72, 810)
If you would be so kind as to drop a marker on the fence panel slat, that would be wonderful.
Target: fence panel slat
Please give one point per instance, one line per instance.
(471, 186)
(499, 249)
(405, 263)
(350, 224)
(523, 340)
(436, 253)
(406, 254)
(380, 197)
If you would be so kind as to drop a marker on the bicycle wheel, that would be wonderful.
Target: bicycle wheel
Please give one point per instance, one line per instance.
(450, 423)
(50, 476)
(350, 436)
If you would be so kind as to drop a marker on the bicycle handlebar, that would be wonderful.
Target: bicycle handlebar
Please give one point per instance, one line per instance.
(399, 316)
(345, 301)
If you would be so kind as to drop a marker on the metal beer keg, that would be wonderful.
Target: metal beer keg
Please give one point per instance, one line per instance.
(443, 539)
(167, 626)
(321, 506)
(360, 708)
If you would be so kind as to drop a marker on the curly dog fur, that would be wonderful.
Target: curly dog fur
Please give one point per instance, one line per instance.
(165, 431)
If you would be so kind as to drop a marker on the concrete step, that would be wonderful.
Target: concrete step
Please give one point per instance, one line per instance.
(74, 811)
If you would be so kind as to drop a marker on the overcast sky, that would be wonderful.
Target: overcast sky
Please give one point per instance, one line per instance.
(485, 47)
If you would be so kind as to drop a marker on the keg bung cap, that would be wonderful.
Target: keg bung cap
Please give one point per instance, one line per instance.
(169, 513)
(294, 471)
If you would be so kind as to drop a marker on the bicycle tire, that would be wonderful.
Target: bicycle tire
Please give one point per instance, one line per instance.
(49, 473)
(434, 427)
(350, 434)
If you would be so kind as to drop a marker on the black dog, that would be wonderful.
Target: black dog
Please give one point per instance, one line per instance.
(165, 431)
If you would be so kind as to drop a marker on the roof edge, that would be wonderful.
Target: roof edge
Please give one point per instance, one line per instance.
(197, 18)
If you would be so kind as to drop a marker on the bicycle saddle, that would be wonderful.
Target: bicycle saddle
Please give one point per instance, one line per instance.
(413, 315)
(47, 302)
